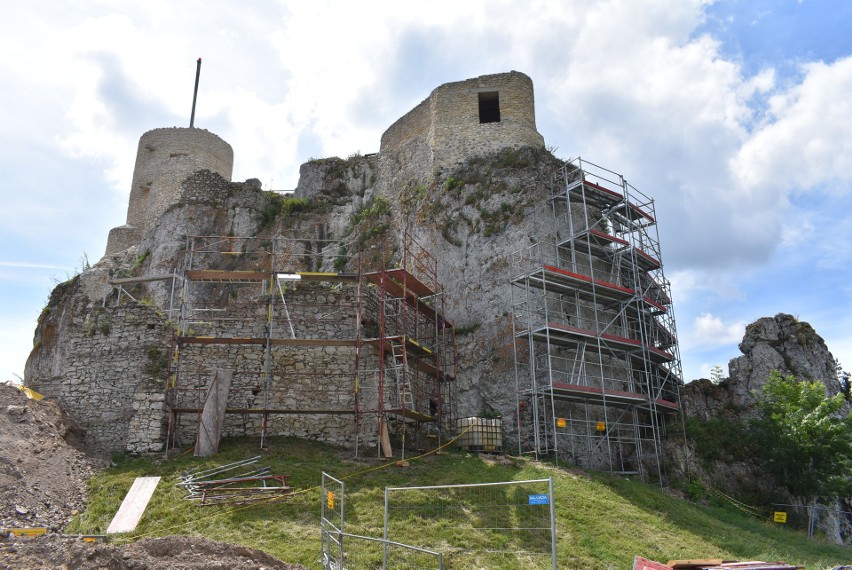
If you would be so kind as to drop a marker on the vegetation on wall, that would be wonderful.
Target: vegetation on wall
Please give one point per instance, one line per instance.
(279, 205)
(483, 195)
(158, 360)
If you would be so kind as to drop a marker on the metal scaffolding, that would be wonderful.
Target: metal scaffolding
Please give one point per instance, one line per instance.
(362, 330)
(597, 364)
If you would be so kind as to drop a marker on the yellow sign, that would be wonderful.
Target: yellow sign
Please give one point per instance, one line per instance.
(780, 517)
(330, 500)
(601, 426)
(561, 422)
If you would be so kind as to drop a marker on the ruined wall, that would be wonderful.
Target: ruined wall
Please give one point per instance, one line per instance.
(196, 198)
(445, 128)
(108, 373)
(456, 133)
(302, 378)
(315, 375)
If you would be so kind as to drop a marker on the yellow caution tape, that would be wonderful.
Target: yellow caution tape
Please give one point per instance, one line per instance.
(36, 531)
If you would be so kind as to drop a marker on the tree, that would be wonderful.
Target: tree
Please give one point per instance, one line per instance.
(717, 374)
(804, 439)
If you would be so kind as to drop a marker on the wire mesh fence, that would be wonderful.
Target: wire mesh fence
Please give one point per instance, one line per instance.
(331, 522)
(489, 525)
(345, 551)
(815, 519)
(363, 553)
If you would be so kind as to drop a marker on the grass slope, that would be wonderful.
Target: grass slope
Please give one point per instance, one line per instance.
(603, 521)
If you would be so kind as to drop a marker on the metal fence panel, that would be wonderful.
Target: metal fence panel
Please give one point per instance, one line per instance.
(343, 551)
(509, 524)
(815, 518)
(362, 552)
(331, 521)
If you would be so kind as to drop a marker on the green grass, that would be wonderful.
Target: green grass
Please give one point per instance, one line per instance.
(603, 521)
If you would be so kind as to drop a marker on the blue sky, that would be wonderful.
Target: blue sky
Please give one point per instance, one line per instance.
(736, 116)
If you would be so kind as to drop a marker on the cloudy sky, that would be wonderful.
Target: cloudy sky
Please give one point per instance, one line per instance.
(735, 115)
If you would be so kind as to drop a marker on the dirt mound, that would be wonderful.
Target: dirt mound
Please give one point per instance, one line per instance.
(171, 552)
(42, 474)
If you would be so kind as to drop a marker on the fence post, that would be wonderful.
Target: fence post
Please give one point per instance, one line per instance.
(552, 523)
(385, 535)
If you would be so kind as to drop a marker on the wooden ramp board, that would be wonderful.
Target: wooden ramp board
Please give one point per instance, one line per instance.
(133, 505)
(213, 416)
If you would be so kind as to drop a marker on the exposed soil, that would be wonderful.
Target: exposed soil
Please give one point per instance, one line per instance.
(171, 552)
(43, 472)
(43, 469)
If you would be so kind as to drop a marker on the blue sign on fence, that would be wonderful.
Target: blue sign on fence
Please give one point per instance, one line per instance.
(539, 499)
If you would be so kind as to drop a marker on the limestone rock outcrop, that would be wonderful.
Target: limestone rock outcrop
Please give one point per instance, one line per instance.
(781, 343)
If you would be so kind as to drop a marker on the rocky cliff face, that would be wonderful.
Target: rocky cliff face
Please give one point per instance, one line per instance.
(781, 343)
(722, 410)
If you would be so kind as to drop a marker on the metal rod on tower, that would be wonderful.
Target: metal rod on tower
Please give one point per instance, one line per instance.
(195, 93)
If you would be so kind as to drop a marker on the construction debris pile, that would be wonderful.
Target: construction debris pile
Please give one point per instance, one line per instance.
(43, 469)
(239, 483)
(640, 563)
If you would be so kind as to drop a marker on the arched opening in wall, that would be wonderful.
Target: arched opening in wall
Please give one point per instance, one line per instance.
(489, 107)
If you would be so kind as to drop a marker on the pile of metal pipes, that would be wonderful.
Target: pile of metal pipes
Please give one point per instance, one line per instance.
(238, 483)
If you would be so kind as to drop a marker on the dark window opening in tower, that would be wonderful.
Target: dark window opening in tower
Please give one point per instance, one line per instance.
(489, 107)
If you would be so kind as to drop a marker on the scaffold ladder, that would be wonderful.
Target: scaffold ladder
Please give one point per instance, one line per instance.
(405, 396)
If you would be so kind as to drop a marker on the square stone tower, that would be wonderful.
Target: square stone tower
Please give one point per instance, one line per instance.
(464, 119)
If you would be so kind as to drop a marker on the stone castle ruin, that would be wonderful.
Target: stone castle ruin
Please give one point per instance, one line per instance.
(462, 271)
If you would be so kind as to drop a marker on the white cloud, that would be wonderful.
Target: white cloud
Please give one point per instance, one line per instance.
(709, 331)
(629, 85)
(807, 138)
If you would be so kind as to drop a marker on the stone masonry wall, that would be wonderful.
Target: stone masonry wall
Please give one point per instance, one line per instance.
(110, 378)
(165, 157)
(310, 377)
(456, 133)
(444, 129)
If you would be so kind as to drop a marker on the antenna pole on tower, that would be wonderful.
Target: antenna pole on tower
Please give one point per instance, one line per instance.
(195, 93)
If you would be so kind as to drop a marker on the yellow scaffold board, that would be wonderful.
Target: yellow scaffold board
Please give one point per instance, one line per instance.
(133, 505)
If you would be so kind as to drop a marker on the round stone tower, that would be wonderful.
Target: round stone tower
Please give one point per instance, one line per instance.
(164, 159)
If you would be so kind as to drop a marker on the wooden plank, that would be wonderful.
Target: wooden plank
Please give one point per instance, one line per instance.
(385, 439)
(640, 563)
(213, 414)
(695, 563)
(133, 505)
